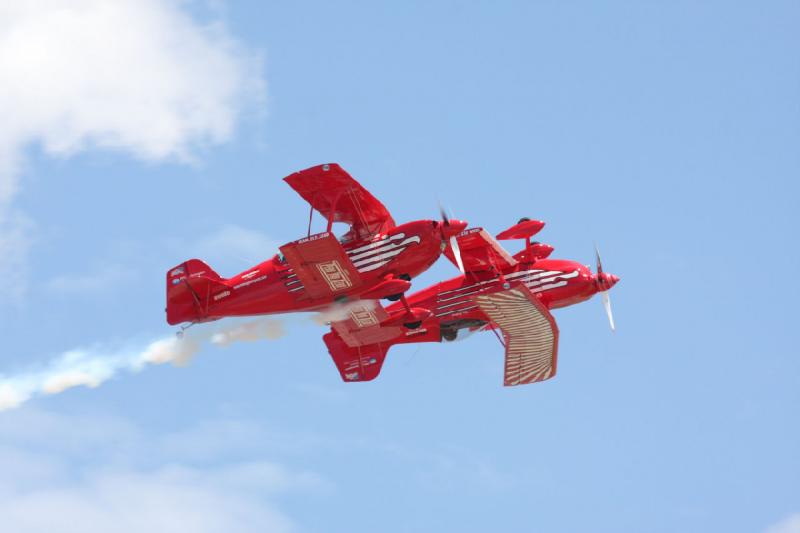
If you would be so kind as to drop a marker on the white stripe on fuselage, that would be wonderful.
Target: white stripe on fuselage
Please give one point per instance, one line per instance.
(373, 266)
(382, 242)
(375, 255)
(385, 246)
(535, 280)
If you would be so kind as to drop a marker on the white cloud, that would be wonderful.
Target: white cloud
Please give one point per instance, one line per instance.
(67, 475)
(138, 76)
(169, 499)
(228, 249)
(790, 524)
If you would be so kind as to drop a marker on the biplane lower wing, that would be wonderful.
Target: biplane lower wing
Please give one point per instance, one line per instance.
(530, 332)
(322, 265)
(362, 325)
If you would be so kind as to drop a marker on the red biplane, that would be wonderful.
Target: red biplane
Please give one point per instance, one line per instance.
(512, 294)
(374, 259)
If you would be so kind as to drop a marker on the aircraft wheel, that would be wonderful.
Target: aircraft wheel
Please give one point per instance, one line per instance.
(449, 335)
(413, 325)
(394, 297)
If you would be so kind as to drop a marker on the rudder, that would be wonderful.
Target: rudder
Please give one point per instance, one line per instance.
(189, 289)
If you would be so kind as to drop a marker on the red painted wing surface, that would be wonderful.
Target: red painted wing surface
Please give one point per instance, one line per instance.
(480, 251)
(322, 265)
(339, 198)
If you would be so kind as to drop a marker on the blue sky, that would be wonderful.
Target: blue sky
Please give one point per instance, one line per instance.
(151, 132)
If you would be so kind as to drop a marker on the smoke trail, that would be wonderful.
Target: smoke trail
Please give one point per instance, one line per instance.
(91, 367)
(249, 332)
(337, 312)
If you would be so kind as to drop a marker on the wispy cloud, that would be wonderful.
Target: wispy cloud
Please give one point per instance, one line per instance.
(233, 247)
(154, 490)
(790, 524)
(95, 281)
(15, 242)
(228, 249)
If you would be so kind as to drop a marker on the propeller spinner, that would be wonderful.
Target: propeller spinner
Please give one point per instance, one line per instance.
(451, 227)
(604, 281)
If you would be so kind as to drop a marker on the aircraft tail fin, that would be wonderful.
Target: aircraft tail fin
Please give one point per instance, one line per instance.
(190, 288)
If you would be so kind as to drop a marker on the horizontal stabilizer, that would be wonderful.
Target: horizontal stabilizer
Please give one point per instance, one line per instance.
(361, 363)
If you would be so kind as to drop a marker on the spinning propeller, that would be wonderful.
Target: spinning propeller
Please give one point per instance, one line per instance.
(450, 228)
(604, 282)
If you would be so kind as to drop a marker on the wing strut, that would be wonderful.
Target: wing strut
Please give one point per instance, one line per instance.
(499, 339)
(333, 210)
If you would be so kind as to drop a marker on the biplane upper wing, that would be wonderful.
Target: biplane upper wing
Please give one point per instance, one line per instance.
(339, 198)
(530, 332)
(480, 251)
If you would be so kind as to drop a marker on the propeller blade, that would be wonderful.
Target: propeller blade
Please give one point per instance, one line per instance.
(607, 305)
(443, 213)
(599, 263)
(457, 253)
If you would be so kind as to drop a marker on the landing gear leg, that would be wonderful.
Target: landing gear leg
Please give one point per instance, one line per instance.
(409, 325)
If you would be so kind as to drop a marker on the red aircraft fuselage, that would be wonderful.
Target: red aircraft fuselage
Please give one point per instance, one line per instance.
(388, 260)
(556, 282)
(375, 259)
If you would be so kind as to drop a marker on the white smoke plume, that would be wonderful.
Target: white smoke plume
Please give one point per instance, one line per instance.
(91, 367)
(249, 332)
(337, 312)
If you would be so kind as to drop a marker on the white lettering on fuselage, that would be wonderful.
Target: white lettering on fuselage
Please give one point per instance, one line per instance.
(250, 282)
